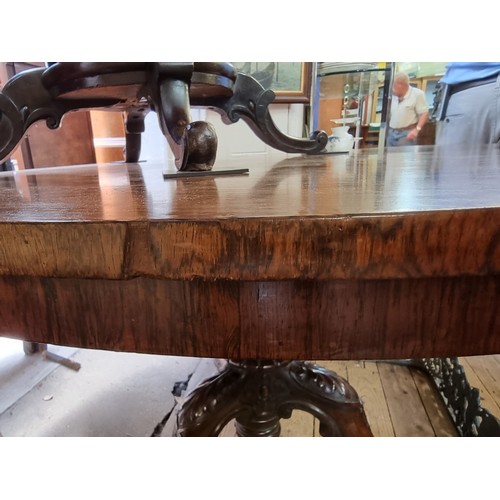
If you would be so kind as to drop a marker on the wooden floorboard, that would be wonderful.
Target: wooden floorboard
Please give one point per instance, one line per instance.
(479, 378)
(365, 378)
(408, 414)
(398, 400)
(300, 423)
(437, 413)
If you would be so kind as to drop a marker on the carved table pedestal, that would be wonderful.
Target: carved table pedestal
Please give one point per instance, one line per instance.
(258, 394)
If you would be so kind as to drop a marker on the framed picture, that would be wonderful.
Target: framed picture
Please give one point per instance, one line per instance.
(290, 81)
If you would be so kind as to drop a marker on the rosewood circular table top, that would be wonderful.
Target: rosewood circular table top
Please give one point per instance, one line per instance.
(319, 257)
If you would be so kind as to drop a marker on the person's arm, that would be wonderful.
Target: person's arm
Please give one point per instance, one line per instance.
(422, 120)
(423, 115)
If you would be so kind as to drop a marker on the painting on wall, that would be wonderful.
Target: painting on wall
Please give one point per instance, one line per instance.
(290, 81)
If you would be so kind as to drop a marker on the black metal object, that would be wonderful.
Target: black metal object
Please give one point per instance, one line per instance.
(440, 102)
(386, 106)
(210, 173)
(462, 401)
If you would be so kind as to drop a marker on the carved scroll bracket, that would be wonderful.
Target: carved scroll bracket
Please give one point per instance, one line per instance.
(25, 100)
(250, 102)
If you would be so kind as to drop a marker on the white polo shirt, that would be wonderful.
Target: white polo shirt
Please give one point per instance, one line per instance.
(407, 111)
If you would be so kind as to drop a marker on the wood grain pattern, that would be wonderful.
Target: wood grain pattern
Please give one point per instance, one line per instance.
(345, 257)
(487, 370)
(300, 423)
(309, 218)
(398, 386)
(432, 402)
(381, 319)
(85, 251)
(386, 247)
(364, 377)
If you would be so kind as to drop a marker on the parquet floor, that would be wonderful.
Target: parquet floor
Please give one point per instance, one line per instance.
(399, 401)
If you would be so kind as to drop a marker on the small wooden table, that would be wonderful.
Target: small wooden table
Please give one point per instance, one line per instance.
(312, 258)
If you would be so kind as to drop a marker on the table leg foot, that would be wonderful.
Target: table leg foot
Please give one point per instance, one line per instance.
(30, 348)
(201, 146)
(258, 394)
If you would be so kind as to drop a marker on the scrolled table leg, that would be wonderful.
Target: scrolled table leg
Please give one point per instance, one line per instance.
(330, 398)
(250, 102)
(211, 405)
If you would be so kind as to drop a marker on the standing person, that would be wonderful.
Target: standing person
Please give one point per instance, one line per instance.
(409, 112)
(468, 104)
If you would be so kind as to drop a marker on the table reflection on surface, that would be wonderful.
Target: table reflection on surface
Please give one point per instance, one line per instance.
(405, 180)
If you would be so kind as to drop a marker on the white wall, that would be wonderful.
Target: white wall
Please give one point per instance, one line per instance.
(234, 140)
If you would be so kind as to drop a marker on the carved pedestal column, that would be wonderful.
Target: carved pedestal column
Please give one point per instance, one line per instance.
(260, 393)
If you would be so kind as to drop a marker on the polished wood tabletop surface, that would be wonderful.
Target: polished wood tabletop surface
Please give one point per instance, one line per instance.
(320, 257)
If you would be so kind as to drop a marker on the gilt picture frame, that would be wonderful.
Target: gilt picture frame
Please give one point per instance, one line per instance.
(290, 81)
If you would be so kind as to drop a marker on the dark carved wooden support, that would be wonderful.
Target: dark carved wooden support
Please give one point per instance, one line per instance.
(169, 87)
(25, 100)
(134, 127)
(250, 102)
(134, 88)
(260, 393)
(462, 401)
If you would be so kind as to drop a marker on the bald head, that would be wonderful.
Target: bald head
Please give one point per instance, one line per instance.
(402, 78)
(401, 84)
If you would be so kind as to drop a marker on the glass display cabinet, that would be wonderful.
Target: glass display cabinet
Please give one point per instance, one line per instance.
(352, 98)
